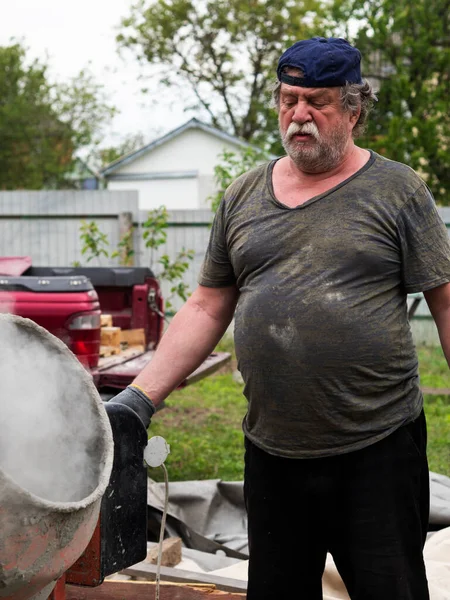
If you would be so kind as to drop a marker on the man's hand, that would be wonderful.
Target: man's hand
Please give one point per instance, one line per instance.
(135, 398)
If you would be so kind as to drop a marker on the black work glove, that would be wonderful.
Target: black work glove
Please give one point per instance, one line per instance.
(136, 399)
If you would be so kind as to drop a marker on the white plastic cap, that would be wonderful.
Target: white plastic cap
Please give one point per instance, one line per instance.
(157, 451)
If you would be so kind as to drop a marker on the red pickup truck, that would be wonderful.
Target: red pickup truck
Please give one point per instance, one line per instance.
(69, 302)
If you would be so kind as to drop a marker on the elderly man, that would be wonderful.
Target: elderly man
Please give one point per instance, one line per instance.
(318, 250)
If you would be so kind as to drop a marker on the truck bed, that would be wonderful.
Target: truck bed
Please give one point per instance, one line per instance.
(119, 371)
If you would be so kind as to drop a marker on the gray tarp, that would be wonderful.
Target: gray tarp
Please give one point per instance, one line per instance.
(208, 513)
(215, 509)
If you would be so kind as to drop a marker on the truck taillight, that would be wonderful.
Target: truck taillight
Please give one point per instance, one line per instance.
(87, 321)
(84, 332)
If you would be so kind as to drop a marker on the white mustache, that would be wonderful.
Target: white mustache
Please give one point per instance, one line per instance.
(309, 128)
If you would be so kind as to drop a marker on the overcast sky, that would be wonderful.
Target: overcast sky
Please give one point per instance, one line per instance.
(73, 34)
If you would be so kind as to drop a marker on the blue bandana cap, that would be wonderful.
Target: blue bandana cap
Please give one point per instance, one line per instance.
(324, 62)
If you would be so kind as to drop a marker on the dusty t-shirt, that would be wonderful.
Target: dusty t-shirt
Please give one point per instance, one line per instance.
(321, 330)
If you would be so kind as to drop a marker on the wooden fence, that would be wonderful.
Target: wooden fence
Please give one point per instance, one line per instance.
(46, 226)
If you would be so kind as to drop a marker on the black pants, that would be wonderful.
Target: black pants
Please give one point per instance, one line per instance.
(368, 508)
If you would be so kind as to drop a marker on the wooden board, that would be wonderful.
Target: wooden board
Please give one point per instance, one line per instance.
(140, 349)
(132, 337)
(136, 590)
(171, 554)
(213, 363)
(106, 351)
(120, 373)
(436, 391)
(111, 361)
(106, 321)
(147, 570)
(110, 336)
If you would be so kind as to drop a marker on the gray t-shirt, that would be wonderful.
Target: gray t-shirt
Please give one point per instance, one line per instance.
(321, 329)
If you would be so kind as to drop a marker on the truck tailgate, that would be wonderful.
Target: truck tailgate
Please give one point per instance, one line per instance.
(119, 371)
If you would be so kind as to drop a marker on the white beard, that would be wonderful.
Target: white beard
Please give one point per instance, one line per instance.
(317, 155)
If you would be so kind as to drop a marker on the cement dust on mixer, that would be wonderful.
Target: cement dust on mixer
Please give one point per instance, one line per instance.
(56, 457)
(57, 443)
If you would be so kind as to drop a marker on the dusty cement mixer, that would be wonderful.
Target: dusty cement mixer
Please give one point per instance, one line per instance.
(56, 456)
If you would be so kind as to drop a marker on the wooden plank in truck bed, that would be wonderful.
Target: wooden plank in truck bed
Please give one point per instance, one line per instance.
(123, 357)
(121, 373)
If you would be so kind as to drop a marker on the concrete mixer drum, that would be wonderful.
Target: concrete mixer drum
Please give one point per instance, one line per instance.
(56, 454)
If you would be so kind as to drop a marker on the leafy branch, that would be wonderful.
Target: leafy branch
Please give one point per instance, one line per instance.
(95, 242)
(95, 245)
(172, 271)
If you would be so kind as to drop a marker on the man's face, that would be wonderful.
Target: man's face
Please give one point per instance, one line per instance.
(315, 131)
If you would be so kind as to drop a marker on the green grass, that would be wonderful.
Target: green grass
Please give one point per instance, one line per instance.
(433, 367)
(437, 410)
(434, 373)
(202, 424)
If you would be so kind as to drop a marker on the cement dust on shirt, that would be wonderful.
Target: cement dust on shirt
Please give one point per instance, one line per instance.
(321, 330)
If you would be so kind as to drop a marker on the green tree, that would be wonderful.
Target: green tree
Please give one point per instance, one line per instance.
(225, 51)
(43, 124)
(231, 165)
(406, 48)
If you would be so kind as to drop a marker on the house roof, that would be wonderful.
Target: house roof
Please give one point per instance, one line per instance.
(191, 124)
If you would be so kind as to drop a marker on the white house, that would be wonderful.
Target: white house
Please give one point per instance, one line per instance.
(176, 170)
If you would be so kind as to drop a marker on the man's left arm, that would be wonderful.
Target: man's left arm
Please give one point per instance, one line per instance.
(438, 300)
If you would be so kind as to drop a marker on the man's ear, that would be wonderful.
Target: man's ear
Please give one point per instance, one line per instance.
(355, 116)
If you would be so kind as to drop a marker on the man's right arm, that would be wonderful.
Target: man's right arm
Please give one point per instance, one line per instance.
(191, 336)
(193, 333)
